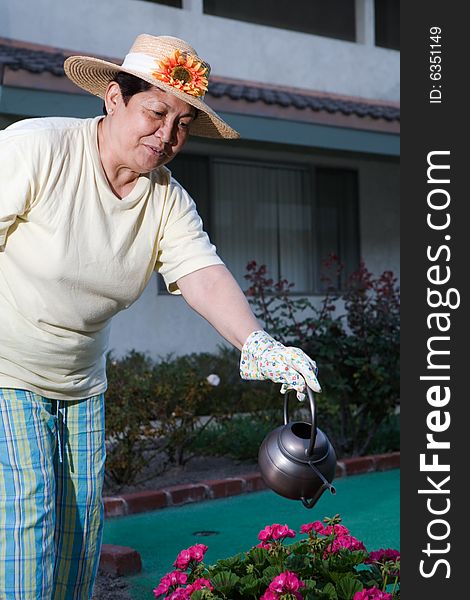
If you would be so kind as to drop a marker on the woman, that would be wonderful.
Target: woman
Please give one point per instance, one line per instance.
(87, 212)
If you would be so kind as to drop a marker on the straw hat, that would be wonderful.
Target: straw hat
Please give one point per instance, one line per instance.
(166, 62)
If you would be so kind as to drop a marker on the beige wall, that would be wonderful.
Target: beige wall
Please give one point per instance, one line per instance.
(233, 48)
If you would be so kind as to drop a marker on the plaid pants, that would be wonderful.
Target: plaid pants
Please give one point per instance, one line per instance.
(52, 457)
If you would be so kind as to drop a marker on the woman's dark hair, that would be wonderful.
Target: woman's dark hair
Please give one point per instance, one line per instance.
(129, 86)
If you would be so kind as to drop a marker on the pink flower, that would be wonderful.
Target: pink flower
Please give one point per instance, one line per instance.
(170, 580)
(194, 553)
(345, 541)
(269, 595)
(337, 529)
(182, 560)
(316, 526)
(372, 594)
(160, 590)
(179, 594)
(199, 584)
(386, 556)
(383, 555)
(264, 545)
(197, 552)
(274, 532)
(281, 531)
(265, 534)
(175, 578)
(285, 583)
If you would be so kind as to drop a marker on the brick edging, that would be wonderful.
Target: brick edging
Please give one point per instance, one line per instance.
(137, 502)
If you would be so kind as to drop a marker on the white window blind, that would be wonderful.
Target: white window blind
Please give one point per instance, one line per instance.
(288, 217)
(264, 213)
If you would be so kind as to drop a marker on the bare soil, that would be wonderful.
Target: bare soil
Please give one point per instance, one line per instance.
(111, 588)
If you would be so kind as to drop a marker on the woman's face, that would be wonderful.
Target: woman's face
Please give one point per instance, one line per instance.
(150, 130)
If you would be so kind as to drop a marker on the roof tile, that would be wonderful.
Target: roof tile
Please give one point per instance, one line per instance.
(39, 61)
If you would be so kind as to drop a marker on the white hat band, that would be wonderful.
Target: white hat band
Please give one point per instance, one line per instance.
(143, 63)
(136, 61)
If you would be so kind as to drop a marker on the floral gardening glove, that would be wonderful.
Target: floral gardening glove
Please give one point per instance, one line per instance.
(264, 358)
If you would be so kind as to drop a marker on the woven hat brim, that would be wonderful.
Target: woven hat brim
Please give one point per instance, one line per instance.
(94, 74)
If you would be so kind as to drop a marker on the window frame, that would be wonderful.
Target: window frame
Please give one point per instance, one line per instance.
(255, 19)
(379, 25)
(170, 3)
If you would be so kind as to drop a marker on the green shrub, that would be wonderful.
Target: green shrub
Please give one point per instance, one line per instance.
(129, 411)
(156, 407)
(233, 395)
(239, 437)
(151, 408)
(387, 438)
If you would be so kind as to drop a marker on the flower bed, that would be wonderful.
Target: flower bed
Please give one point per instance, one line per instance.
(327, 561)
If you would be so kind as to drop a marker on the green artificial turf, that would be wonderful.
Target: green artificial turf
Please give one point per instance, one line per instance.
(368, 504)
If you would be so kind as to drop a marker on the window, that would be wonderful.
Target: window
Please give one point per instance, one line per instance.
(263, 212)
(174, 3)
(335, 18)
(387, 23)
(337, 218)
(289, 217)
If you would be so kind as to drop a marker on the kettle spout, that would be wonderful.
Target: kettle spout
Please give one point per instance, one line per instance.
(311, 503)
(326, 485)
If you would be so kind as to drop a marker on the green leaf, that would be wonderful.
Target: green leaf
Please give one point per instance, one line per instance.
(309, 594)
(347, 586)
(301, 548)
(269, 574)
(225, 582)
(297, 563)
(335, 576)
(235, 564)
(250, 586)
(329, 591)
(271, 571)
(310, 584)
(201, 595)
(258, 555)
(231, 562)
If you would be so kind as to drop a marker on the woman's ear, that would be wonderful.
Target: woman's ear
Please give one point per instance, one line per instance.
(112, 97)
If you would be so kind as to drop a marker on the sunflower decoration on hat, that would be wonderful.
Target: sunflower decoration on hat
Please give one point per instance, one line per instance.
(184, 72)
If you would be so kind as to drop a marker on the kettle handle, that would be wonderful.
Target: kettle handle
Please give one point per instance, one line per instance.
(313, 411)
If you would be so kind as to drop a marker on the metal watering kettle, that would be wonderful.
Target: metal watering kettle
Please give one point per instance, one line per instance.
(297, 460)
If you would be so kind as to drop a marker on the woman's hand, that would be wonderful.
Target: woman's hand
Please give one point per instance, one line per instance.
(263, 357)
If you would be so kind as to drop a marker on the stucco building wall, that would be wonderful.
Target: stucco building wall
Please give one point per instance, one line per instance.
(234, 48)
